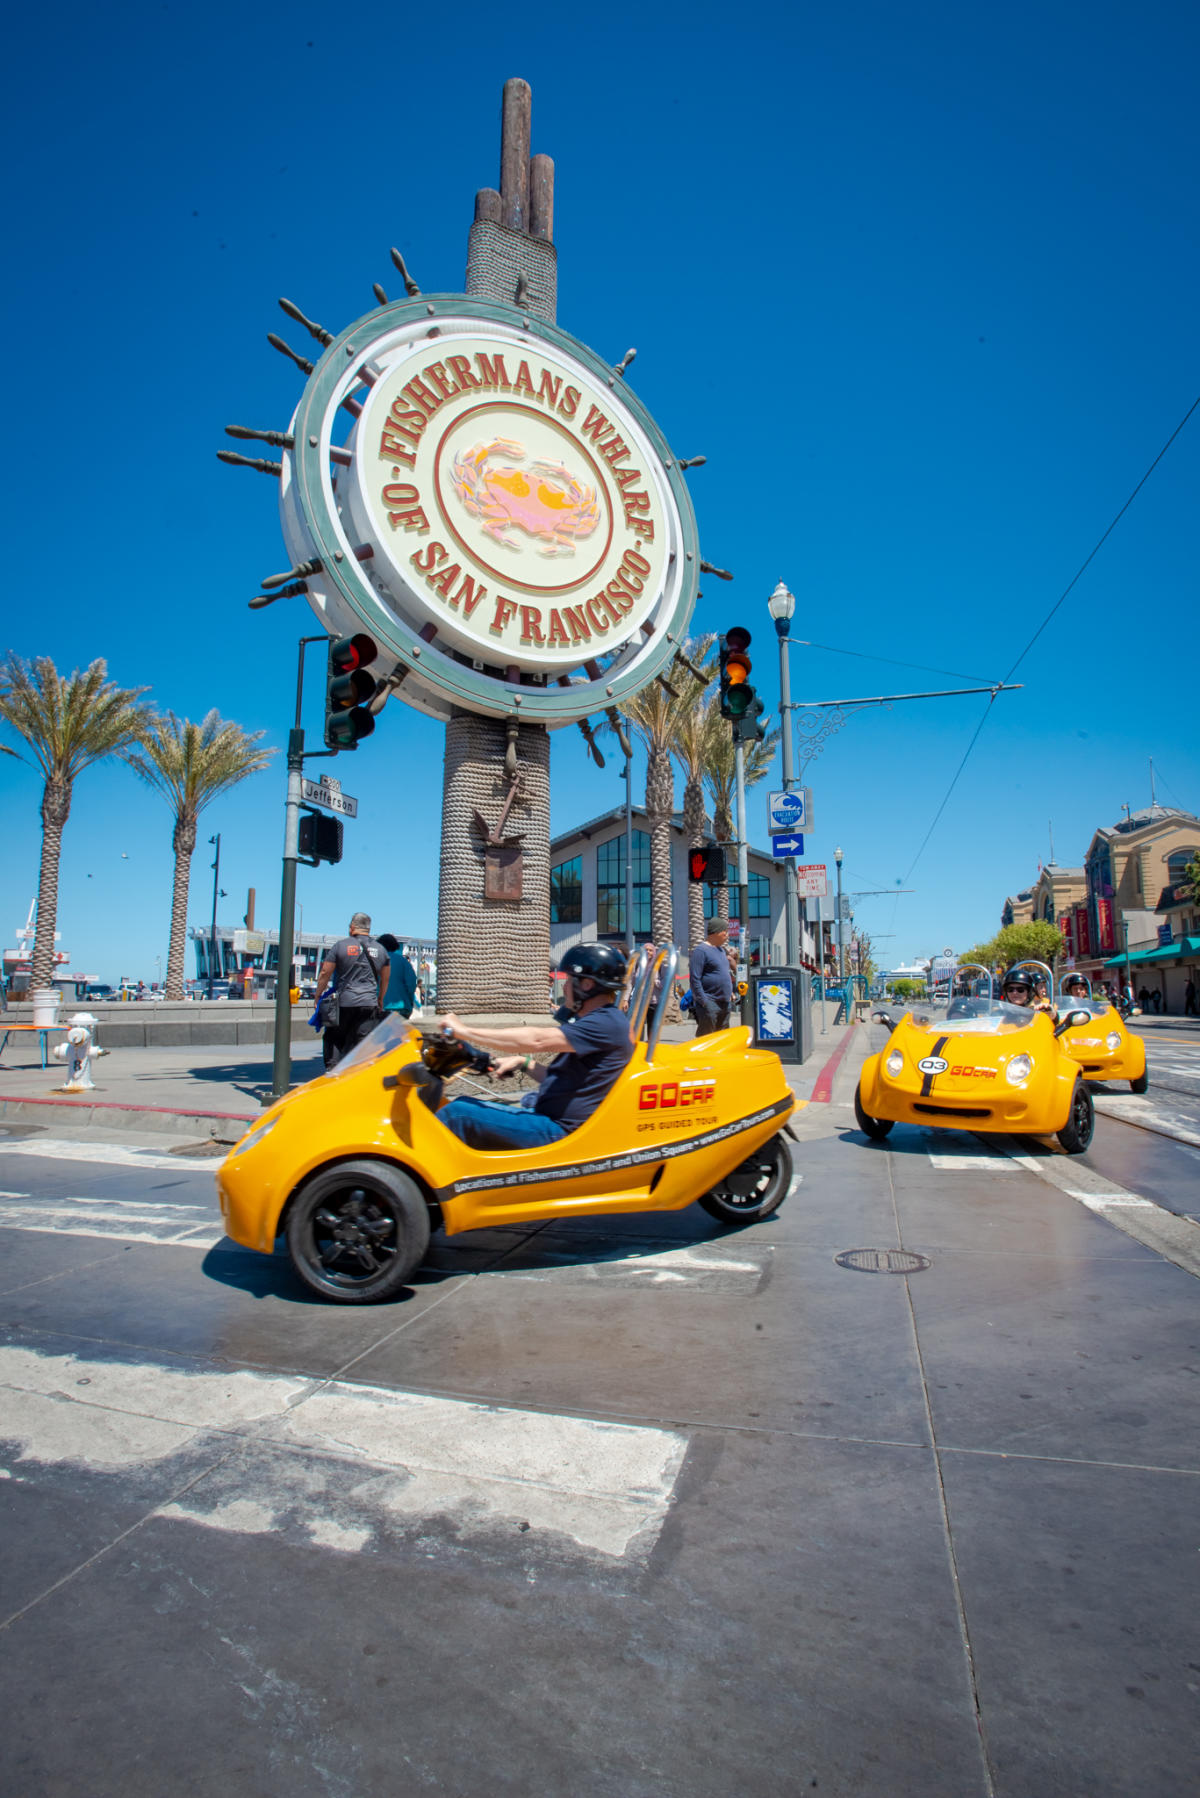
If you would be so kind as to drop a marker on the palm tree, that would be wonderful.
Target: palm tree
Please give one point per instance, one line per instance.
(720, 776)
(69, 724)
(656, 716)
(693, 728)
(190, 765)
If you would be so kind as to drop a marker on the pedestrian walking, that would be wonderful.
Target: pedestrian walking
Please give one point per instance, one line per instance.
(401, 994)
(1189, 1000)
(711, 980)
(357, 969)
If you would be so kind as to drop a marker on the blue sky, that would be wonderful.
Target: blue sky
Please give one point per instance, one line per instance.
(920, 283)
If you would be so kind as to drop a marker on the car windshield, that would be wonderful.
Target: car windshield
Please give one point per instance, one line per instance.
(972, 1017)
(388, 1034)
(1069, 1002)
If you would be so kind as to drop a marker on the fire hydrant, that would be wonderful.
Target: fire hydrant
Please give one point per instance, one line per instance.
(78, 1052)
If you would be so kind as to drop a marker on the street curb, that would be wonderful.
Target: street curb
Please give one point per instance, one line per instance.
(109, 1112)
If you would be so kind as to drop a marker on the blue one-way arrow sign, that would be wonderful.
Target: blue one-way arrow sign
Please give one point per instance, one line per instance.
(783, 846)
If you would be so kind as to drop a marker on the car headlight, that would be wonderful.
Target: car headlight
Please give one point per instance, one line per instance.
(895, 1063)
(1113, 1041)
(256, 1136)
(1018, 1069)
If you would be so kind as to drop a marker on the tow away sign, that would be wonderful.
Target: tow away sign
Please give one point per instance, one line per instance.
(329, 794)
(812, 880)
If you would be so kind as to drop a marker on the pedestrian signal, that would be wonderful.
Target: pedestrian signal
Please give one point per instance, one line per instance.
(734, 662)
(706, 862)
(348, 687)
(320, 837)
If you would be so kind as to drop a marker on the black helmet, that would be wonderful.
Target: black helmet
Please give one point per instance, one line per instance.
(1074, 980)
(1017, 978)
(598, 962)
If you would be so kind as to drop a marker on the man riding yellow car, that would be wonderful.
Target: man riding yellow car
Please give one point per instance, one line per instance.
(978, 1063)
(1103, 1047)
(355, 1169)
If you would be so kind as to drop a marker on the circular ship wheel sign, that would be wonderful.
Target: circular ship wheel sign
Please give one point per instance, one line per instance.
(490, 504)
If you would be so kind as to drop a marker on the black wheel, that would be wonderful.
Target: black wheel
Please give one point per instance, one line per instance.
(1141, 1084)
(357, 1231)
(754, 1189)
(1076, 1133)
(875, 1128)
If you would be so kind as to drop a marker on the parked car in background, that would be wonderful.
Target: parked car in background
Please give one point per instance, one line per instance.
(98, 991)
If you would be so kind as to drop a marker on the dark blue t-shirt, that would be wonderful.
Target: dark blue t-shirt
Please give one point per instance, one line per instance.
(575, 1083)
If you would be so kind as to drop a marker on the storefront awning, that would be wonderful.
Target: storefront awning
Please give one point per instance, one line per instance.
(1186, 949)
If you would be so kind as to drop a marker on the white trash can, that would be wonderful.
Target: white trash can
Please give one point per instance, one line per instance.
(45, 1006)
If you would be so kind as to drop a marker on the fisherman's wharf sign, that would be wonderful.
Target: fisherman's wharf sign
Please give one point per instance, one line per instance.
(490, 502)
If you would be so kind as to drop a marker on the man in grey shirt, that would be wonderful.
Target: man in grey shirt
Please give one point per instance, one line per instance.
(358, 966)
(711, 980)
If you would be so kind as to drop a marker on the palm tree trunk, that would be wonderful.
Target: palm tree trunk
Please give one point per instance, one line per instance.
(56, 808)
(660, 799)
(184, 844)
(693, 831)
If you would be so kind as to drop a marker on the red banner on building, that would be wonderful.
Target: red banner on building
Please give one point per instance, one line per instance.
(1066, 925)
(1104, 921)
(1083, 932)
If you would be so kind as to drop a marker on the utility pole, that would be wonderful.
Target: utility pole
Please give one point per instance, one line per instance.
(781, 605)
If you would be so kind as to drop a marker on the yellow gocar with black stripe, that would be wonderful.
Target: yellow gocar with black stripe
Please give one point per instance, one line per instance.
(977, 1063)
(354, 1170)
(1103, 1047)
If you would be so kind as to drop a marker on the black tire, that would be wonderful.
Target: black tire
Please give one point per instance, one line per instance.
(875, 1128)
(1141, 1084)
(1076, 1133)
(357, 1231)
(754, 1189)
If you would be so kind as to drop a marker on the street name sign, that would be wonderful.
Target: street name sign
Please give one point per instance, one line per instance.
(789, 845)
(328, 794)
(812, 881)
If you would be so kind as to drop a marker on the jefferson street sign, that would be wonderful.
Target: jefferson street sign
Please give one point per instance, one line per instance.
(324, 792)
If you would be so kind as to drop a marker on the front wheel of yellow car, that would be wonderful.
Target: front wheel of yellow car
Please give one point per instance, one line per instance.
(875, 1128)
(754, 1189)
(357, 1231)
(1141, 1084)
(1076, 1133)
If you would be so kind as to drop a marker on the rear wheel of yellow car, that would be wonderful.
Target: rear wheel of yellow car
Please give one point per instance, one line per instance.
(357, 1231)
(1141, 1084)
(755, 1188)
(1076, 1133)
(875, 1128)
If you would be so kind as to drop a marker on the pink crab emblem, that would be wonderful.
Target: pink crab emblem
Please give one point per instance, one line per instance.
(542, 499)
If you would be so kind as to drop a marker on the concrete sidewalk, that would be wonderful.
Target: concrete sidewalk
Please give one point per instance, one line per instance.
(195, 1092)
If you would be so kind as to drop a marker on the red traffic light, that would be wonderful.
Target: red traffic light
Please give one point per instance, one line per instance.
(348, 653)
(697, 863)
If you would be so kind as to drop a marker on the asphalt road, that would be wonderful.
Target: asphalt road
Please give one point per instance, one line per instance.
(619, 1508)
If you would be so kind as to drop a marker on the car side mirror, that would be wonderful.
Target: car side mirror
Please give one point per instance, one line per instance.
(1072, 1021)
(882, 1017)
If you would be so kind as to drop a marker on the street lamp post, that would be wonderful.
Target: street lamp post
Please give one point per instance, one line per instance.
(841, 945)
(212, 941)
(782, 605)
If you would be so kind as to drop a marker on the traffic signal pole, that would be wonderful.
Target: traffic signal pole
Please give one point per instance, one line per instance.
(743, 874)
(281, 1070)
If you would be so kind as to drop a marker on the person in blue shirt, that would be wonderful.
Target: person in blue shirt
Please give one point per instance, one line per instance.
(712, 980)
(402, 978)
(591, 1044)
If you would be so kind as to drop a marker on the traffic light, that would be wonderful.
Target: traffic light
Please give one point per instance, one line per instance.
(320, 837)
(706, 863)
(348, 686)
(747, 728)
(736, 694)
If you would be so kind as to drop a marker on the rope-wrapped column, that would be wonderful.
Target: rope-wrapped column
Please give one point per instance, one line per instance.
(493, 955)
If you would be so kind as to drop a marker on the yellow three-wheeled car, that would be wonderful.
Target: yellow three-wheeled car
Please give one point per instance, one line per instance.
(355, 1169)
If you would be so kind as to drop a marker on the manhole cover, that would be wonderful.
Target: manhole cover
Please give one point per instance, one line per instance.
(882, 1261)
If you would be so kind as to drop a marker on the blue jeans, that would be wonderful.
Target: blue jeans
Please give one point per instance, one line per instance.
(493, 1124)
